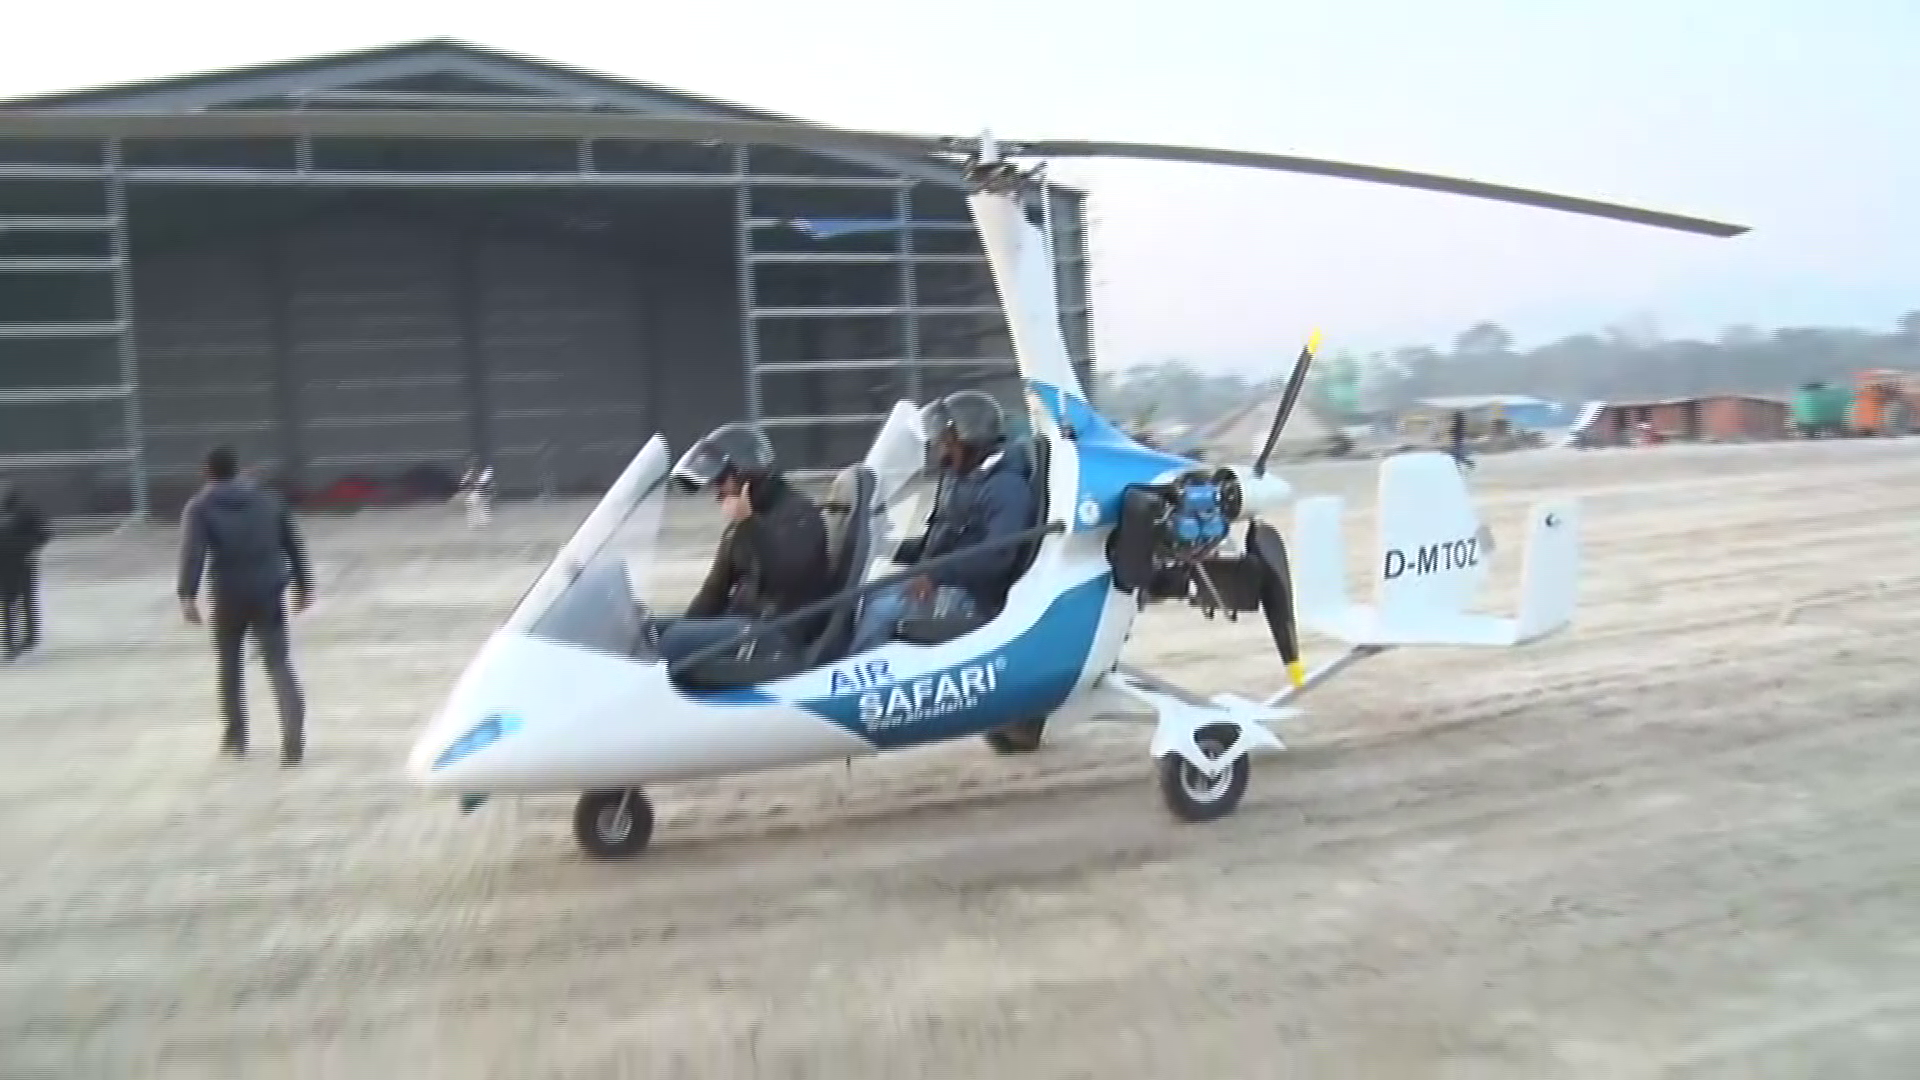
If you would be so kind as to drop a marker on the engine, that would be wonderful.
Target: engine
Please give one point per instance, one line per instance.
(1166, 546)
(1168, 531)
(1195, 514)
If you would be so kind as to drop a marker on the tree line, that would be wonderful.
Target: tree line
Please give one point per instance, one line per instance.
(1621, 363)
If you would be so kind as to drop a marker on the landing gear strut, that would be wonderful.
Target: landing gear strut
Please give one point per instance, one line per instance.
(613, 824)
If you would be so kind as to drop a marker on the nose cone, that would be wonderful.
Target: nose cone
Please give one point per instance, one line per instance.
(451, 741)
(477, 715)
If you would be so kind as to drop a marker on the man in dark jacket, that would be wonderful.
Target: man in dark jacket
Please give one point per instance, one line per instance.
(1457, 440)
(248, 536)
(23, 532)
(982, 498)
(772, 558)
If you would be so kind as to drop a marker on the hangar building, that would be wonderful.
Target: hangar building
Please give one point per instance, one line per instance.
(354, 307)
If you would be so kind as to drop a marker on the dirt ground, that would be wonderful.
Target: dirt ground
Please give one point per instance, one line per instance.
(1682, 840)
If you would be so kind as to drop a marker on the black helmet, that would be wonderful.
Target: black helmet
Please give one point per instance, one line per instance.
(972, 417)
(736, 449)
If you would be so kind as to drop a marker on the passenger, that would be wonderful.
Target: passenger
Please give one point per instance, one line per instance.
(772, 558)
(982, 497)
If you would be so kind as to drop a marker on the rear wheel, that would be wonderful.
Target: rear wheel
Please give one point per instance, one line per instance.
(613, 824)
(1020, 738)
(1193, 795)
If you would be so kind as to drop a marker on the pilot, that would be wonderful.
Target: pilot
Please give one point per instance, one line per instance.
(983, 497)
(772, 558)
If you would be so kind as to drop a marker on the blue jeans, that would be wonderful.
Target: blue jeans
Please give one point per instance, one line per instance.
(680, 638)
(883, 610)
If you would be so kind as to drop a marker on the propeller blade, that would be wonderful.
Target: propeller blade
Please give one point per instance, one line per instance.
(1296, 382)
(1372, 174)
(1266, 549)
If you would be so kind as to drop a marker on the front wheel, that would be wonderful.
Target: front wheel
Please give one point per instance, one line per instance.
(1193, 795)
(1020, 738)
(613, 824)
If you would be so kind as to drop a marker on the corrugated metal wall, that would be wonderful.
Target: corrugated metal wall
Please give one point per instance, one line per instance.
(204, 331)
(374, 347)
(367, 345)
(567, 370)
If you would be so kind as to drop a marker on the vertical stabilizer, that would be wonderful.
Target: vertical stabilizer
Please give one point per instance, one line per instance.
(1429, 557)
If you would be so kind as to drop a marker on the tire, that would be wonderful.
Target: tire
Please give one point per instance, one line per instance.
(613, 824)
(1020, 738)
(1190, 794)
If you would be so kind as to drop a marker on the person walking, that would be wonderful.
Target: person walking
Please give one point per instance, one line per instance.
(247, 535)
(23, 532)
(1457, 440)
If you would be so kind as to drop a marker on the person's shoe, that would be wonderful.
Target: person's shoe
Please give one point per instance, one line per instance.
(233, 749)
(291, 758)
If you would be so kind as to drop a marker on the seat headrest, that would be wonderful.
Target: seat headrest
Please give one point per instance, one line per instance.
(843, 492)
(1020, 456)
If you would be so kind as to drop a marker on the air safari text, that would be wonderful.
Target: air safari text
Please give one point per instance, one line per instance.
(886, 701)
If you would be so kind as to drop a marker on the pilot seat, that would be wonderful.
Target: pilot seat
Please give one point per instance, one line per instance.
(849, 512)
(1030, 456)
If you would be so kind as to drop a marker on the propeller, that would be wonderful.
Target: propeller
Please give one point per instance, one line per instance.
(1263, 543)
(796, 135)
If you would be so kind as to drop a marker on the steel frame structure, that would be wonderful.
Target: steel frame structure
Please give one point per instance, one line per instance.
(111, 176)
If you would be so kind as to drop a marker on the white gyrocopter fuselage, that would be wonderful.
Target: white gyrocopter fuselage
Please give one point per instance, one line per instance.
(569, 695)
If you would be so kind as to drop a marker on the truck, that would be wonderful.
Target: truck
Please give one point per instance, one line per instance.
(1821, 410)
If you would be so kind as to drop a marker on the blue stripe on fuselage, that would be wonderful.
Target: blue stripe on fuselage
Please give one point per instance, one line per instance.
(1110, 460)
(1025, 679)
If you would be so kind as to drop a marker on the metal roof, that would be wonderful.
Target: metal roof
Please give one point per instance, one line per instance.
(561, 85)
(1480, 401)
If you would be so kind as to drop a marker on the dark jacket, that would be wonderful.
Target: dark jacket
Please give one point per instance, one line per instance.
(23, 532)
(248, 535)
(772, 563)
(992, 501)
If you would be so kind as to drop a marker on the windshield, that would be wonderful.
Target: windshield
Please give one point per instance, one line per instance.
(593, 592)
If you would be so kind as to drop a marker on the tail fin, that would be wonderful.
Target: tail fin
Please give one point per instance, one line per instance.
(1430, 561)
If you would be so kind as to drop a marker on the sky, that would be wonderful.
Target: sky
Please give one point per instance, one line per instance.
(1792, 117)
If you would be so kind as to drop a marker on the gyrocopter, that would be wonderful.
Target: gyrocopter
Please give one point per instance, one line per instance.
(571, 695)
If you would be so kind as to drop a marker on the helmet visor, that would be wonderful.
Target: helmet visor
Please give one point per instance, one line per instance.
(699, 467)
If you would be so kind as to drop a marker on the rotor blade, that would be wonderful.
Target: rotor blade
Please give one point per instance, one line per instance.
(1372, 174)
(793, 134)
(1295, 383)
(456, 124)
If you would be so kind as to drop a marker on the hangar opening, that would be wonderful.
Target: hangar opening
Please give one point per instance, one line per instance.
(388, 310)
